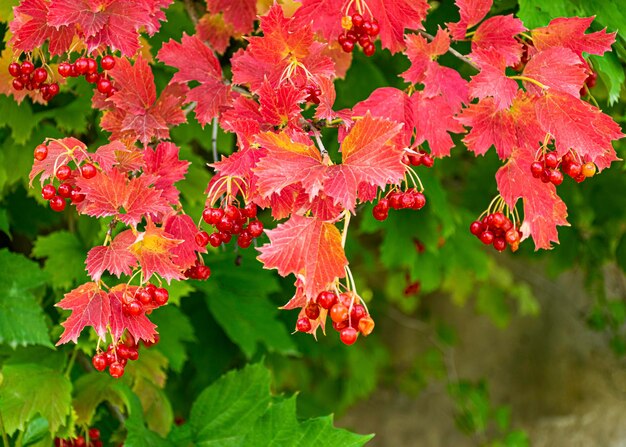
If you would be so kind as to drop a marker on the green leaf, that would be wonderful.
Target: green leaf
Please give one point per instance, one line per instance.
(174, 329)
(537, 13)
(6, 9)
(37, 430)
(91, 391)
(620, 253)
(227, 409)
(65, 255)
(237, 297)
(28, 389)
(4, 222)
(279, 426)
(612, 74)
(22, 320)
(19, 118)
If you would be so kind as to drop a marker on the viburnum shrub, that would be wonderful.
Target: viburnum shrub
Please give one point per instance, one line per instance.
(528, 95)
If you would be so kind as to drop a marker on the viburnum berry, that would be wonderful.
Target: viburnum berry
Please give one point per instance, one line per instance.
(338, 313)
(476, 228)
(326, 299)
(244, 239)
(48, 191)
(15, 69)
(312, 311)
(104, 86)
(202, 238)
(161, 296)
(63, 172)
(65, 190)
(255, 228)
(64, 69)
(27, 67)
(116, 369)
(381, 210)
(77, 196)
(99, 362)
(348, 335)
(588, 169)
(88, 171)
(107, 62)
(135, 308)
(303, 325)
(57, 203)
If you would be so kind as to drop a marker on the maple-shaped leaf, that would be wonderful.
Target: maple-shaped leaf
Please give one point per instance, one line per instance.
(396, 16)
(569, 77)
(137, 112)
(577, 125)
(492, 80)
(506, 129)
(106, 155)
(323, 15)
(90, 306)
(115, 258)
(114, 194)
(436, 78)
(472, 12)
(324, 110)
(31, 28)
(243, 119)
(212, 28)
(153, 249)
(240, 13)
(570, 33)
(543, 209)
(182, 227)
(280, 107)
(163, 163)
(308, 248)
(60, 152)
(212, 94)
(287, 50)
(497, 34)
(139, 326)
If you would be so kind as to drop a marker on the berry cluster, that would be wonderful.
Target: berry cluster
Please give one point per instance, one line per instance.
(26, 76)
(57, 196)
(93, 440)
(421, 158)
(547, 168)
(229, 221)
(117, 356)
(88, 67)
(199, 270)
(361, 31)
(497, 229)
(313, 93)
(349, 319)
(409, 199)
(145, 299)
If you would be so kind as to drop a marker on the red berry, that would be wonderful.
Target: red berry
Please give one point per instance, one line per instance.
(92, 78)
(202, 238)
(107, 62)
(357, 20)
(226, 237)
(511, 236)
(303, 325)
(358, 312)
(41, 152)
(348, 46)
(551, 160)
(351, 36)
(348, 335)
(203, 272)
(232, 212)
(135, 308)
(338, 312)
(77, 196)
(498, 220)
(212, 215)
(53, 89)
(244, 239)
(590, 82)
(161, 296)
(341, 325)
(342, 39)
(81, 65)
(63, 172)
(364, 40)
(536, 169)
(94, 434)
(366, 27)
(27, 67)
(499, 244)
(17, 84)
(369, 49)
(48, 191)
(225, 225)
(556, 177)
(255, 228)
(427, 161)
(116, 369)
(104, 85)
(395, 200)
(79, 442)
(250, 210)
(575, 169)
(92, 66)
(407, 200)
(14, 69)
(64, 69)
(57, 203)
(326, 299)
(312, 311)
(374, 28)
(133, 354)
(486, 237)
(545, 176)
(476, 228)
(99, 362)
(40, 75)
(419, 201)
(144, 296)
(88, 170)
(381, 210)
(215, 240)
(122, 351)
(65, 190)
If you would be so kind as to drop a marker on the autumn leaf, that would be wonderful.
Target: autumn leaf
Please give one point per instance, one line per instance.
(153, 249)
(308, 248)
(164, 164)
(183, 228)
(497, 35)
(240, 13)
(60, 152)
(115, 258)
(139, 326)
(212, 28)
(90, 306)
(472, 12)
(569, 77)
(570, 33)
(31, 28)
(492, 80)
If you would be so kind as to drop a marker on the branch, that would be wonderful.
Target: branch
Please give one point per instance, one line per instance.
(452, 51)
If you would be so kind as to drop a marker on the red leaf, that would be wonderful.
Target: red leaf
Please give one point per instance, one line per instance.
(90, 306)
(309, 248)
(114, 194)
(434, 120)
(241, 13)
(492, 81)
(115, 258)
(167, 168)
(472, 12)
(558, 68)
(106, 155)
(497, 34)
(323, 15)
(577, 125)
(31, 29)
(543, 209)
(570, 33)
(213, 29)
(182, 227)
(154, 251)
(396, 16)
(280, 107)
(60, 152)
(212, 95)
(140, 327)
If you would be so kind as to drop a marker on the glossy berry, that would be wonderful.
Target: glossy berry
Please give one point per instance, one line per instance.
(40, 75)
(358, 312)
(551, 160)
(57, 203)
(27, 67)
(203, 272)
(303, 325)
(135, 308)
(15, 69)
(499, 244)
(536, 169)
(556, 177)
(212, 215)
(17, 84)
(144, 296)
(486, 237)
(77, 196)
(81, 65)
(374, 28)
(65, 190)
(250, 210)
(116, 370)
(215, 240)
(94, 434)
(255, 228)
(588, 169)
(107, 62)
(419, 201)
(312, 311)
(41, 152)
(326, 299)
(48, 191)
(161, 296)
(64, 69)
(244, 239)
(348, 335)
(92, 66)
(104, 86)
(338, 313)
(476, 228)
(369, 50)
(381, 210)
(92, 78)
(53, 89)
(357, 20)
(99, 362)
(63, 172)
(88, 171)
(202, 238)
(348, 46)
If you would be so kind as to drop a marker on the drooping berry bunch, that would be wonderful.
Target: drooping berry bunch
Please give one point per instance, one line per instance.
(228, 221)
(409, 199)
(88, 67)
(349, 317)
(313, 93)
(498, 230)
(57, 195)
(199, 271)
(92, 440)
(547, 166)
(145, 299)
(359, 31)
(26, 76)
(419, 158)
(116, 357)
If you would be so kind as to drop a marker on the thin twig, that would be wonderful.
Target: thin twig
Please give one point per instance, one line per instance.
(452, 51)
(189, 6)
(214, 140)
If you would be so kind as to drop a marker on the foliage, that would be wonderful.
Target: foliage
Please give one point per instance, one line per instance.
(333, 145)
